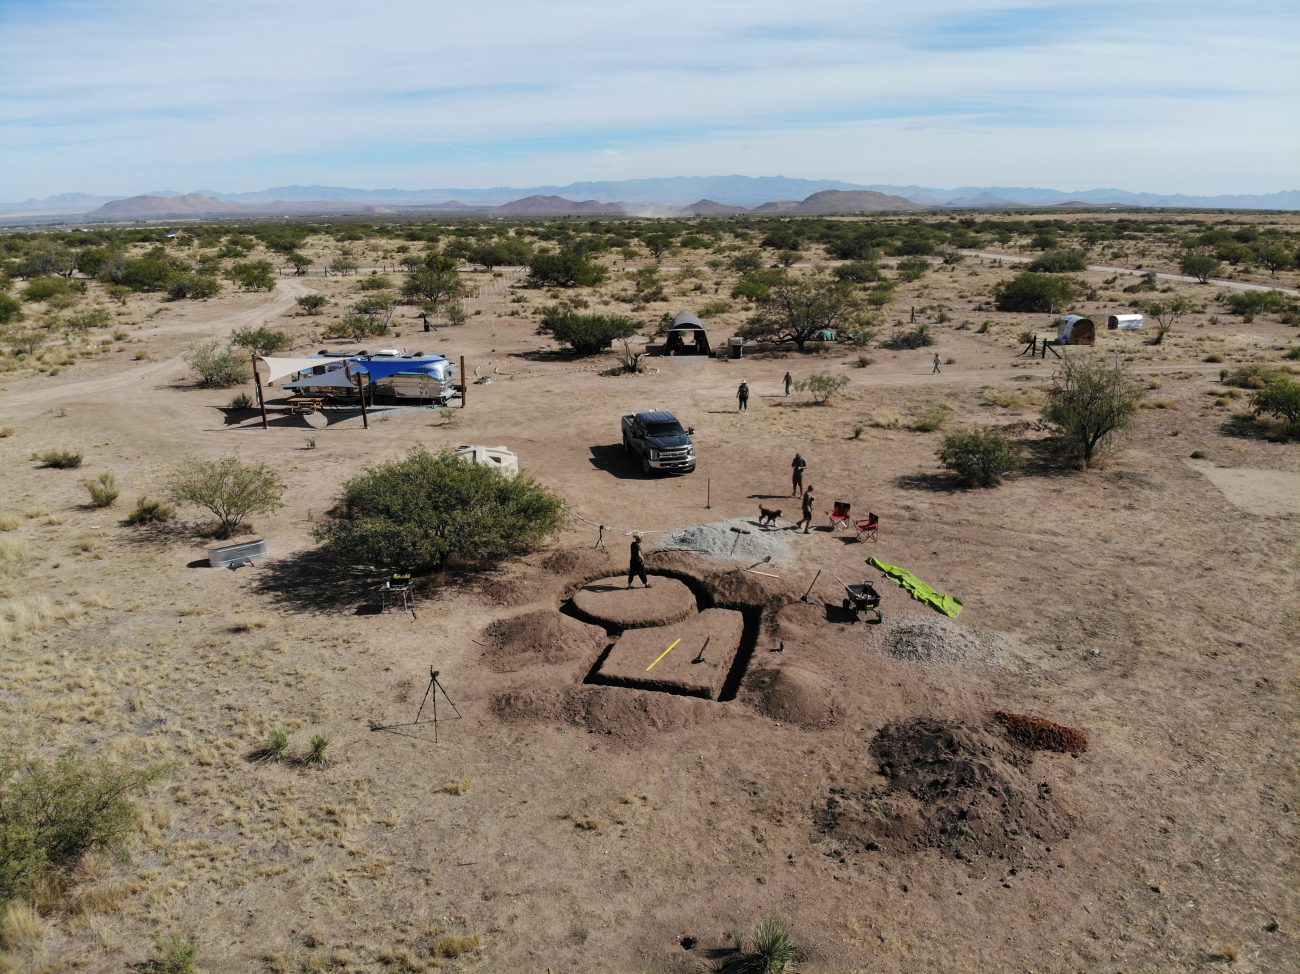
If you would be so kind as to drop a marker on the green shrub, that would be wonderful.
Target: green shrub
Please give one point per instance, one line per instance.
(312, 303)
(242, 401)
(87, 320)
(53, 812)
(61, 459)
(858, 271)
(918, 337)
(150, 511)
(229, 489)
(356, 326)
(254, 275)
(218, 365)
(567, 268)
(1059, 261)
(1032, 291)
(912, 268)
(1254, 375)
(822, 387)
(175, 955)
(1200, 266)
(930, 419)
(424, 510)
(1281, 399)
(103, 490)
(45, 288)
(585, 334)
(1247, 304)
(1089, 403)
(193, 286)
(375, 282)
(11, 309)
(979, 457)
(262, 341)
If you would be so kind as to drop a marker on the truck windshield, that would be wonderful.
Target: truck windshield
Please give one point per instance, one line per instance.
(663, 429)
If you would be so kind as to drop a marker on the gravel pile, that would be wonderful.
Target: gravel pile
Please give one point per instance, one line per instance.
(715, 541)
(943, 641)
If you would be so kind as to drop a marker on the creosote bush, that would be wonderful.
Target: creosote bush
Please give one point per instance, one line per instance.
(425, 510)
(1089, 403)
(54, 812)
(231, 490)
(822, 387)
(218, 365)
(980, 457)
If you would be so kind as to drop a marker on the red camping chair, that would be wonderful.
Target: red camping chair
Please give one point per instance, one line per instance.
(870, 528)
(839, 515)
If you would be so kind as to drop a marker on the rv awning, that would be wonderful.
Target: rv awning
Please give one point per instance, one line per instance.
(378, 369)
(278, 368)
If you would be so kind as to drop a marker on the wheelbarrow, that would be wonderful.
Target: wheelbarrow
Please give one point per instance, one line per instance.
(861, 598)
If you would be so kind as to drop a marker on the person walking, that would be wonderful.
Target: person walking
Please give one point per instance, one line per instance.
(789, 384)
(808, 501)
(936, 364)
(636, 566)
(742, 396)
(796, 474)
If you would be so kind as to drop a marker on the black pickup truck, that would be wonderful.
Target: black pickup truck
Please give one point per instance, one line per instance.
(659, 440)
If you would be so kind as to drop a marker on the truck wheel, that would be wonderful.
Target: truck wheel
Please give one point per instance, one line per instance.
(645, 466)
(626, 445)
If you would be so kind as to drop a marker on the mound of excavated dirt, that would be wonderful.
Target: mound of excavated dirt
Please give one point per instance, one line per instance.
(794, 622)
(629, 715)
(578, 562)
(958, 788)
(1039, 734)
(793, 696)
(610, 602)
(922, 640)
(545, 636)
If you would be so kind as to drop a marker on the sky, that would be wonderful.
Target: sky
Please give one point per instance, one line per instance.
(119, 97)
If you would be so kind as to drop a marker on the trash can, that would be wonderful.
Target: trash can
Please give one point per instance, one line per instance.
(735, 348)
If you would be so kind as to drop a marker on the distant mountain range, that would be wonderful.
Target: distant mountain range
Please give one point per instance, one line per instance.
(699, 195)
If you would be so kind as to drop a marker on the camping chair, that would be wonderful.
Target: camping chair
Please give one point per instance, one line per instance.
(869, 528)
(839, 515)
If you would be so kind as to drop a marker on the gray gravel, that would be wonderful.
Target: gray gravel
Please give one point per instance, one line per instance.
(715, 540)
(944, 641)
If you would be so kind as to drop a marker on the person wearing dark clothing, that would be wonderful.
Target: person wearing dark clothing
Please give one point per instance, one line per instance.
(936, 363)
(796, 474)
(789, 384)
(742, 396)
(637, 564)
(808, 502)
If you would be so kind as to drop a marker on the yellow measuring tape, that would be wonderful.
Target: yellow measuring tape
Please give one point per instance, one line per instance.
(662, 655)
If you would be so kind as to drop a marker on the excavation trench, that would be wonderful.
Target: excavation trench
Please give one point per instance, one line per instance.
(725, 636)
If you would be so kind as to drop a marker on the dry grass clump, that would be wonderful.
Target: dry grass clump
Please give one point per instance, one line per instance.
(15, 553)
(21, 928)
(60, 459)
(457, 786)
(26, 614)
(8, 522)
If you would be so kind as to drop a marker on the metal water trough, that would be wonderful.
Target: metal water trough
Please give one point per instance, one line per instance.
(225, 554)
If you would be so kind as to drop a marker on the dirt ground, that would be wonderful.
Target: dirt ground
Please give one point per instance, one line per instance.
(867, 800)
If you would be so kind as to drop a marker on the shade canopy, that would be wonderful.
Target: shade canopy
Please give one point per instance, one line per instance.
(278, 368)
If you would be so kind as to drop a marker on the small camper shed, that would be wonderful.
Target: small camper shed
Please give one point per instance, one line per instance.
(1076, 330)
(1124, 322)
(499, 457)
(687, 336)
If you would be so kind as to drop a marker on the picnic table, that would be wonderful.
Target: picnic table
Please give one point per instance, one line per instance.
(306, 404)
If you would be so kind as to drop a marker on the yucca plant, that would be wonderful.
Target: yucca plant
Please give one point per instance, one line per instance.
(767, 949)
(317, 747)
(277, 743)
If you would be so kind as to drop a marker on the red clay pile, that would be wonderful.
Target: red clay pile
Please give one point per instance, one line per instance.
(956, 787)
(1038, 734)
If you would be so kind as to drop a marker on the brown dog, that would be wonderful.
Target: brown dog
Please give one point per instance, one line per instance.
(767, 517)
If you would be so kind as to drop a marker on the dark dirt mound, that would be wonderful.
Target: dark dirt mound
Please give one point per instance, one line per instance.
(511, 588)
(793, 696)
(959, 788)
(795, 621)
(545, 636)
(629, 715)
(578, 562)
(1039, 734)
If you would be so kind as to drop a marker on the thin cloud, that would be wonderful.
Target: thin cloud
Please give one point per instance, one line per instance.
(145, 94)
